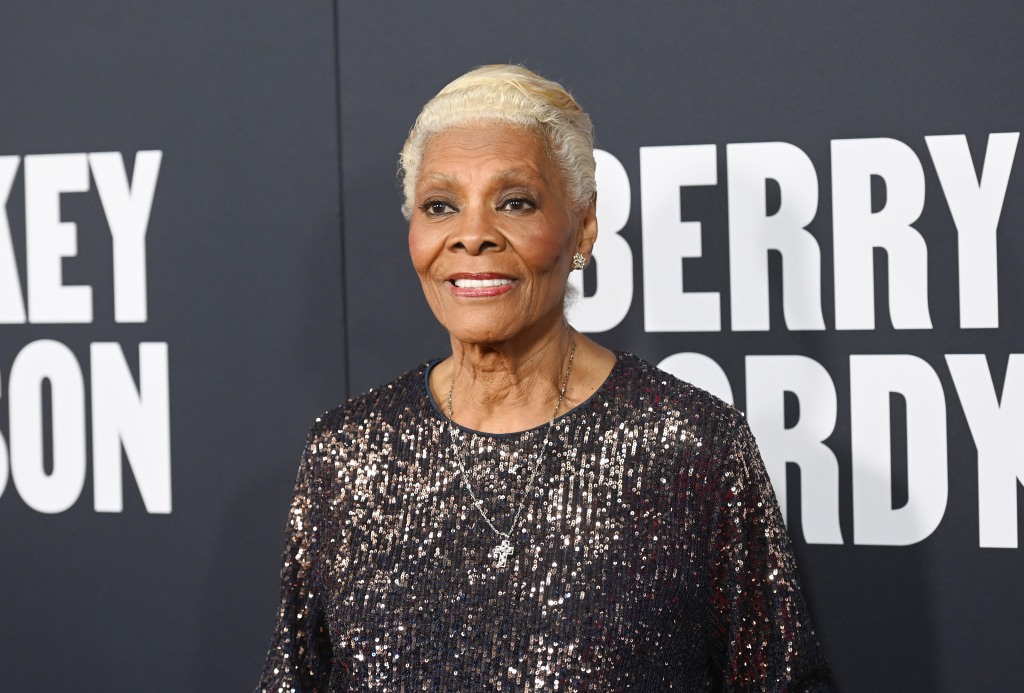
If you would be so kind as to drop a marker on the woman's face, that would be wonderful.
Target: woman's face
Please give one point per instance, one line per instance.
(491, 235)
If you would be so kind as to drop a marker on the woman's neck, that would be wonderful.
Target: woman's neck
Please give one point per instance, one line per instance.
(506, 388)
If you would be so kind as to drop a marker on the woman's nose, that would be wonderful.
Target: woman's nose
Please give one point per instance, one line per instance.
(477, 232)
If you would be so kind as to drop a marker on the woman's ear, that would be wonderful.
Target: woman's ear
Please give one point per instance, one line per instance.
(586, 234)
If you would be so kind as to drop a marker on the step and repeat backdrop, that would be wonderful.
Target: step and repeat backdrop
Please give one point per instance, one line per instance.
(170, 323)
(813, 211)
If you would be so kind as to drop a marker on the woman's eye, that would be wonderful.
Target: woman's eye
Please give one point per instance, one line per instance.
(436, 208)
(517, 204)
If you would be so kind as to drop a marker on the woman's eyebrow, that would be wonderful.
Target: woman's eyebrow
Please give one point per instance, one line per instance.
(518, 177)
(440, 179)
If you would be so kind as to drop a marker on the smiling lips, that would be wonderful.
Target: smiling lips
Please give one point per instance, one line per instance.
(479, 285)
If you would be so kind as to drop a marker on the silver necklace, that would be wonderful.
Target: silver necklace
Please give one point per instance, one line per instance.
(503, 550)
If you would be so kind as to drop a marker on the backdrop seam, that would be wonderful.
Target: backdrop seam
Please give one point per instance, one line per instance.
(341, 203)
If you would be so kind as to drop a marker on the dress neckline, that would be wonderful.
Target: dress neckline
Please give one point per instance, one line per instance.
(425, 384)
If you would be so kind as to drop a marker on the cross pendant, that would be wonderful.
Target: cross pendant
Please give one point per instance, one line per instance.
(501, 552)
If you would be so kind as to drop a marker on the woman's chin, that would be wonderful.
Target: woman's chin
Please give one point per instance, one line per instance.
(498, 329)
(481, 335)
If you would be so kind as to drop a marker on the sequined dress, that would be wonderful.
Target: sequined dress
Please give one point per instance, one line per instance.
(650, 554)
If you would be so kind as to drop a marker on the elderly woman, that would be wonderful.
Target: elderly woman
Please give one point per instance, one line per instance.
(534, 512)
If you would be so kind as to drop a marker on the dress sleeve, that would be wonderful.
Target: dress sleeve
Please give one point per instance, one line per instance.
(300, 651)
(765, 638)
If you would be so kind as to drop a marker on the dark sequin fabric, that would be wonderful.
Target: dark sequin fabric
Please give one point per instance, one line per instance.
(650, 555)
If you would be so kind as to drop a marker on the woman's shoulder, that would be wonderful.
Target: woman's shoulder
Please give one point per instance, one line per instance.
(645, 386)
(380, 404)
(651, 381)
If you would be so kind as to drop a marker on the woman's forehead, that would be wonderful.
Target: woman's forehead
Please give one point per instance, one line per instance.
(497, 152)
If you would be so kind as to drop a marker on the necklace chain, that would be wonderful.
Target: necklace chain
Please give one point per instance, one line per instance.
(503, 550)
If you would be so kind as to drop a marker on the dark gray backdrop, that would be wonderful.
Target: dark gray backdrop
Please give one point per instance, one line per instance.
(244, 286)
(266, 325)
(942, 614)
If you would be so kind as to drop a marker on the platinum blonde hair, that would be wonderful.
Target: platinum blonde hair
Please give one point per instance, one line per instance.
(514, 95)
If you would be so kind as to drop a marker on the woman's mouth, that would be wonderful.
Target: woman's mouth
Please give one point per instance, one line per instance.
(479, 285)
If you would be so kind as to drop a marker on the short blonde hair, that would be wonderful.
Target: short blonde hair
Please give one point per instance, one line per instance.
(514, 95)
